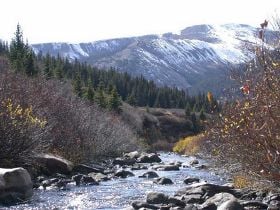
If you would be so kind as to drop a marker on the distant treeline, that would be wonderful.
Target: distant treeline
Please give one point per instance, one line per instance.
(104, 87)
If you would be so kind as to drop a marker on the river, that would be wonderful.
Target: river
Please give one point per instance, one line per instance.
(117, 193)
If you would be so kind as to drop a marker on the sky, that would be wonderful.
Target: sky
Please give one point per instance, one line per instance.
(78, 21)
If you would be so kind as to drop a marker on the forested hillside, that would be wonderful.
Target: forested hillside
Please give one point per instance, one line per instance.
(72, 109)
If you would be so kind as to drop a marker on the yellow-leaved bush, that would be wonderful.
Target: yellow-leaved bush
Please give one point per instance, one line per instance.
(20, 134)
(189, 145)
(19, 115)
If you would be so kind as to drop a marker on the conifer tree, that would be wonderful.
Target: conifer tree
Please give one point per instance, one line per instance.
(131, 100)
(114, 101)
(17, 51)
(58, 70)
(99, 96)
(29, 66)
(47, 67)
(77, 85)
(202, 116)
(89, 94)
(195, 126)
(188, 110)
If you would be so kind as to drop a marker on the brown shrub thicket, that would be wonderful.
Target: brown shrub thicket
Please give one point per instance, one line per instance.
(248, 131)
(73, 128)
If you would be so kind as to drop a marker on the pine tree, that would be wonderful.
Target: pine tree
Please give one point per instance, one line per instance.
(99, 96)
(195, 126)
(202, 116)
(77, 85)
(58, 70)
(47, 67)
(17, 51)
(114, 101)
(188, 110)
(89, 94)
(29, 66)
(131, 100)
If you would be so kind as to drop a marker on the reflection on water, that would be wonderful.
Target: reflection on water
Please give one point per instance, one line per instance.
(117, 193)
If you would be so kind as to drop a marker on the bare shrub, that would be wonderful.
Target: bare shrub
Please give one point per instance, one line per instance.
(248, 130)
(75, 128)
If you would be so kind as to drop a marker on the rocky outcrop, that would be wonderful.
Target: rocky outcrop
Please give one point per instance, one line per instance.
(15, 185)
(51, 164)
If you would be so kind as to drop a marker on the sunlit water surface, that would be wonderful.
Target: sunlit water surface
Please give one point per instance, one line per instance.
(117, 193)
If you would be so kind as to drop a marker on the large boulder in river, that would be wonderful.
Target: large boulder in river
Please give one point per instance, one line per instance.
(123, 173)
(231, 205)
(163, 181)
(149, 158)
(157, 198)
(15, 185)
(206, 190)
(218, 199)
(190, 180)
(149, 175)
(134, 155)
(51, 164)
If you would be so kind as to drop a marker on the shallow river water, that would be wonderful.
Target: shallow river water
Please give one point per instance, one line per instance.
(117, 193)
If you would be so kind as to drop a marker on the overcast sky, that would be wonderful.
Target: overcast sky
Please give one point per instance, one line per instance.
(89, 20)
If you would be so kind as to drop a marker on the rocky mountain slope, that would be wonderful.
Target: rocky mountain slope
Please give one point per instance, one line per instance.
(198, 57)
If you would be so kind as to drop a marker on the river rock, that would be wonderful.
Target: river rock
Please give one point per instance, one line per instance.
(123, 173)
(99, 177)
(85, 169)
(48, 182)
(231, 205)
(187, 207)
(272, 197)
(139, 205)
(218, 199)
(77, 178)
(166, 167)
(176, 201)
(205, 189)
(149, 158)
(124, 161)
(138, 167)
(201, 167)
(51, 164)
(190, 180)
(157, 198)
(193, 198)
(163, 181)
(89, 180)
(15, 185)
(134, 155)
(273, 205)
(149, 175)
(254, 205)
(194, 162)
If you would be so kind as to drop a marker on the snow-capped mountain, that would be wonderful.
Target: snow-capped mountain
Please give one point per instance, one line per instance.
(197, 57)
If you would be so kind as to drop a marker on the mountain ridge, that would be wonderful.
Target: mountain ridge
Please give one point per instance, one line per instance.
(199, 53)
